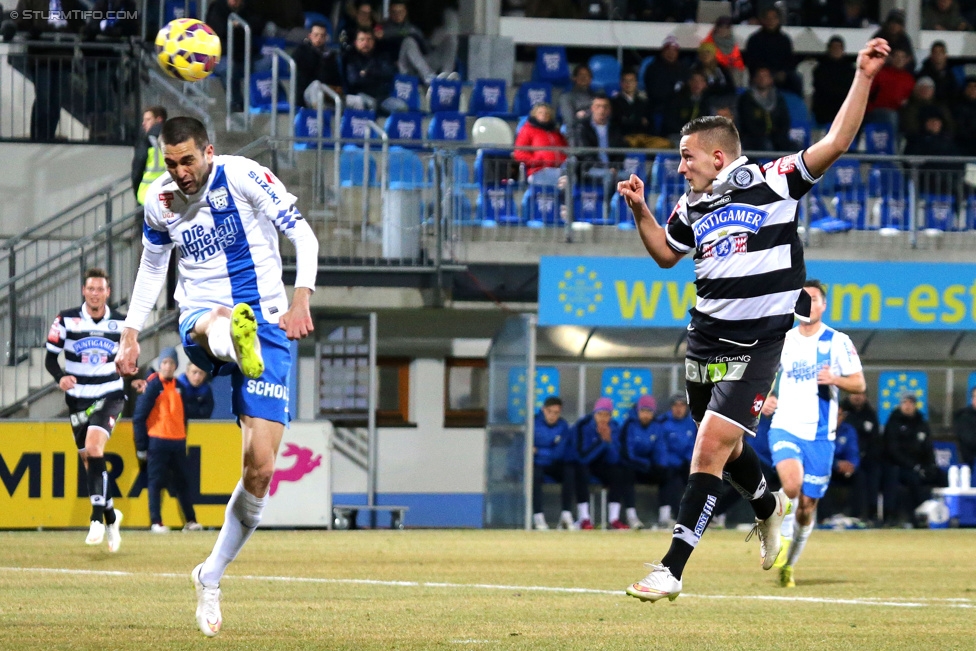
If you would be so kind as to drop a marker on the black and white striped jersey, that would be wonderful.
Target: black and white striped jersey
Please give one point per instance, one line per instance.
(749, 267)
(89, 350)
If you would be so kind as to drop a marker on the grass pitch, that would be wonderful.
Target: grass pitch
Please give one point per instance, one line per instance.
(487, 590)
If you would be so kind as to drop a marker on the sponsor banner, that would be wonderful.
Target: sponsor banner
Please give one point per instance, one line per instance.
(300, 495)
(546, 385)
(624, 386)
(635, 292)
(893, 384)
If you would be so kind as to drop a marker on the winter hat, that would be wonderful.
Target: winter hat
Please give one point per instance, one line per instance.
(647, 402)
(603, 404)
(169, 353)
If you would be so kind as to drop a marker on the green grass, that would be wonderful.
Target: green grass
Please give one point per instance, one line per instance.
(148, 603)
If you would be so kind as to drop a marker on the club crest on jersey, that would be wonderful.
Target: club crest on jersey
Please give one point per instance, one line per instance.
(218, 199)
(742, 177)
(733, 218)
(726, 246)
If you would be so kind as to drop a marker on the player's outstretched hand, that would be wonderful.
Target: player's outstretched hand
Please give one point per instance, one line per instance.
(872, 58)
(632, 190)
(770, 405)
(127, 359)
(297, 321)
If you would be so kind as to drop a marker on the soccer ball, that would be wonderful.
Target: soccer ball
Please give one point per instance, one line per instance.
(187, 49)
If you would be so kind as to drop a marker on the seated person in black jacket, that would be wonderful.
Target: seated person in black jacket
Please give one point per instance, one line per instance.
(910, 459)
(367, 72)
(596, 130)
(631, 114)
(690, 103)
(316, 65)
(763, 118)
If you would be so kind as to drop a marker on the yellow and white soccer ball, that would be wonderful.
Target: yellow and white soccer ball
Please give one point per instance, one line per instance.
(187, 49)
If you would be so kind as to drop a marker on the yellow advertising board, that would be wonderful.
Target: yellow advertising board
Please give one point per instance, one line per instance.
(42, 482)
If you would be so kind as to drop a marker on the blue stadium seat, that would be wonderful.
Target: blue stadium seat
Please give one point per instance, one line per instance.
(620, 214)
(261, 94)
(879, 138)
(606, 72)
(800, 122)
(970, 213)
(551, 65)
(589, 205)
(664, 170)
(406, 170)
(894, 215)
(800, 136)
(540, 206)
(406, 125)
(445, 95)
(843, 176)
(351, 167)
(176, 9)
(447, 125)
(496, 202)
(354, 124)
(306, 126)
(406, 88)
(531, 93)
(886, 180)
(643, 68)
(489, 98)
(852, 208)
(635, 163)
(940, 212)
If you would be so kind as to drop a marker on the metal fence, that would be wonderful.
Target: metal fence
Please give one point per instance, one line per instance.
(69, 91)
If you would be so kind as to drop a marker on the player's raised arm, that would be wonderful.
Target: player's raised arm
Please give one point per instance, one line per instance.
(653, 235)
(847, 123)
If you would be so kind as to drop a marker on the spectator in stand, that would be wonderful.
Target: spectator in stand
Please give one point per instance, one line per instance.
(860, 415)
(217, 13)
(691, 102)
(574, 104)
(317, 65)
(640, 450)
(937, 177)
(850, 15)
(922, 102)
(552, 437)
(772, 49)
(964, 428)
(891, 88)
(832, 78)
(358, 16)
(727, 52)
(286, 19)
(763, 118)
(893, 31)
(678, 431)
(664, 76)
(965, 114)
(943, 15)
(540, 130)
(369, 73)
(416, 55)
(718, 77)
(936, 66)
(598, 132)
(597, 440)
(910, 460)
(843, 476)
(630, 114)
(159, 428)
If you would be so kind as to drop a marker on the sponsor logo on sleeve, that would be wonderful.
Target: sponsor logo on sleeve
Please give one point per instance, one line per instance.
(265, 185)
(786, 164)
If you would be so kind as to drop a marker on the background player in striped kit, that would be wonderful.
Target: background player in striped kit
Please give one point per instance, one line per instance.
(89, 337)
(739, 220)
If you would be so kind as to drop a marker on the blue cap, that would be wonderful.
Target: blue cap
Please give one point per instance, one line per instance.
(169, 353)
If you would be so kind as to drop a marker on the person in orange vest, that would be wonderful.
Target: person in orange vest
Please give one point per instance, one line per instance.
(159, 427)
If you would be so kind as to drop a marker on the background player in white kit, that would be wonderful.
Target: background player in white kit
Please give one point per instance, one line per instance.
(817, 362)
(224, 213)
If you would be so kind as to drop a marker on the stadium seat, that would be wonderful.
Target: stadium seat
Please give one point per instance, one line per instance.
(894, 216)
(406, 170)
(261, 94)
(643, 68)
(885, 180)
(940, 213)
(406, 88)
(531, 93)
(589, 205)
(635, 163)
(606, 72)
(842, 176)
(447, 125)
(620, 214)
(267, 44)
(970, 223)
(306, 126)
(492, 130)
(800, 123)
(551, 65)
(351, 167)
(879, 138)
(540, 206)
(177, 9)
(496, 202)
(489, 98)
(664, 170)
(405, 126)
(800, 136)
(354, 124)
(445, 95)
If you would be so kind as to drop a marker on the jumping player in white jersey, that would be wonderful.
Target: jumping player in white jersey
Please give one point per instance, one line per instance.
(817, 362)
(738, 219)
(224, 214)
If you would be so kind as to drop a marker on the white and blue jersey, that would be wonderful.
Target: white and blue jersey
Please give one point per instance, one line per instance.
(808, 410)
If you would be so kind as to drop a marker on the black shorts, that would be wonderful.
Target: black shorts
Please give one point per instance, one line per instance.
(98, 412)
(728, 379)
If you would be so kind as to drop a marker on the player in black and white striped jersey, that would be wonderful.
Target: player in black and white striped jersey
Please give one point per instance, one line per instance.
(739, 221)
(89, 337)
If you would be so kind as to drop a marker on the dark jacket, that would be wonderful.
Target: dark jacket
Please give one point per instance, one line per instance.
(681, 109)
(964, 113)
(832, 78)
(217, 13)
(584, 135)
(679, 439)
(908, 441)
(641, 447)
(946, 88)
(630, 116)
(372, 75)
(845, 445)
(870, 438)
(313, 64)
(35, 26)
(773, 50)
(139, 158)
(589, 447)
(662, 80)
(114, 28)
(198, 402)
(759, 128)
(964, 427)
(550, 441)
(719, 80)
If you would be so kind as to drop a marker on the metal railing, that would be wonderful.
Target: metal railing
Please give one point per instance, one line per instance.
(232, 20)
(69, 91)
(159, 90)
(276, 54)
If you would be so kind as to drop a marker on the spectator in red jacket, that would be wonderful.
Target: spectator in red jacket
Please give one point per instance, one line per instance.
(892, 87)
(727, 52)
(540, 131)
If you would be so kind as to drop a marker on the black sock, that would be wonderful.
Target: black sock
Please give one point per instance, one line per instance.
(694, 512)
(109, 505)
(746, 476)
(97, 487)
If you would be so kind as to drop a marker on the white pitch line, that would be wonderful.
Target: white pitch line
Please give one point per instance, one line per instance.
(896, 602)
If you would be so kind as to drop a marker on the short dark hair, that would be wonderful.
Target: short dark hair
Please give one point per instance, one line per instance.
(158, 112)
(318, 23)
(182, 129)
(582, 66)
(553, 400)
(936, 44)
(599, 95)
(96, 272)
(627, 71)
(719, 130)
(813, 282)
(367, 32)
